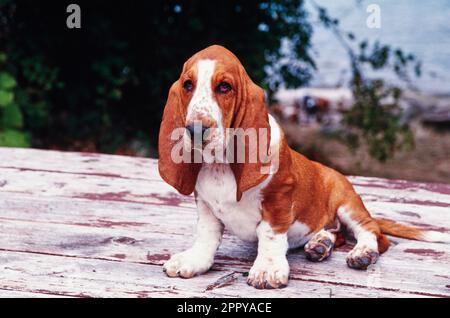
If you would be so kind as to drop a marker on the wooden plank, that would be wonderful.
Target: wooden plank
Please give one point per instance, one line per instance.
(89, 164)
(141, 168)
(147, 243)
(75, 211)
(103, 213)
(58, 276)
(138, 193)
(42, 183)
(7, 293)
(38, 183)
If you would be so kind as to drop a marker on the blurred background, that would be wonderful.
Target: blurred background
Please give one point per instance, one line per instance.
(362, 88)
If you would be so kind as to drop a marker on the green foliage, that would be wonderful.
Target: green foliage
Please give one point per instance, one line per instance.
(377, 116)
(20, 103)
(14, 138)
(11, 120)
(7, 81)
(12, 117)
(6, 98)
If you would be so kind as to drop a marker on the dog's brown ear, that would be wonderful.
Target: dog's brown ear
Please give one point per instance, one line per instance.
(251, 113)
(181, 175)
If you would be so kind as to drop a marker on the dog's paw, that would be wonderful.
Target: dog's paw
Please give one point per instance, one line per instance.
(319, 247)
(361, 257)
(187, 264)
(269, 273)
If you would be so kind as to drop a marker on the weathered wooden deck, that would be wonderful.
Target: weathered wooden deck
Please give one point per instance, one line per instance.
(81, 225)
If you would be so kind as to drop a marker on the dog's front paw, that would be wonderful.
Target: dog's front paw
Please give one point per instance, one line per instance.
(187, 264)
(361, 257)
(269, 273)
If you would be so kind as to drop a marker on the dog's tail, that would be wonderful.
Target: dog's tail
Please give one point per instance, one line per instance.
(395, 229)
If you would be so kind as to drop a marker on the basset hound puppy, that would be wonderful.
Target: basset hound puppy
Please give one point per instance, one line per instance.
(281, 200)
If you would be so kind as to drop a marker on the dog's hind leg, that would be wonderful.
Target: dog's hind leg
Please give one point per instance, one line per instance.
(370, 241)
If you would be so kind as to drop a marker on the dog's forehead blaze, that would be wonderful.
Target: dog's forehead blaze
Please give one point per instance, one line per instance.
(226, 61)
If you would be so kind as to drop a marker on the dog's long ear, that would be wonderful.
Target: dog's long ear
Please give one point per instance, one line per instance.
(181, 175)
(251, 113)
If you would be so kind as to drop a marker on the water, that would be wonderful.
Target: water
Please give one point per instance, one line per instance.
(418, 27)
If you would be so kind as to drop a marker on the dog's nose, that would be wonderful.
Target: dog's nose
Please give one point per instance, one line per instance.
(194, 130)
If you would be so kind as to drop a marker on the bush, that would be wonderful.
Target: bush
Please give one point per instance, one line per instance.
(106, 83)
(11, 118)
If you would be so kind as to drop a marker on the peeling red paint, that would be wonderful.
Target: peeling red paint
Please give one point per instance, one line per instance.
(429, 227)
(109, 175)
(392, 184)
(170, 199)
(405, 185)
(55, 293)
(437, 187)
(426, 203)
(108, 196)
(157, 257)
(302, 272)
(424, 252)
(377, 198)
(142, 294)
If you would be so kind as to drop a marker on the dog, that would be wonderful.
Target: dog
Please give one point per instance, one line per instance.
(282, 200)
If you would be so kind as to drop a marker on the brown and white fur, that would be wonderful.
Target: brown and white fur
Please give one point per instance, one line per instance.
(300, 203)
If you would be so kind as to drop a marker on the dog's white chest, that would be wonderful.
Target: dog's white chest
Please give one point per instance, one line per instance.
(216, 185)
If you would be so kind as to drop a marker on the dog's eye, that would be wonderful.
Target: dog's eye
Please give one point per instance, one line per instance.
(223, 88)
(188, 85)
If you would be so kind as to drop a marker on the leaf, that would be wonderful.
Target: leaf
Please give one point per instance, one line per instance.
(115, 94)
(14, 138)
(7, 81)
(6, 98)
(12, 117)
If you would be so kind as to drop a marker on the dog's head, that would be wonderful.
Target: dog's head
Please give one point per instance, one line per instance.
(213, 96)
